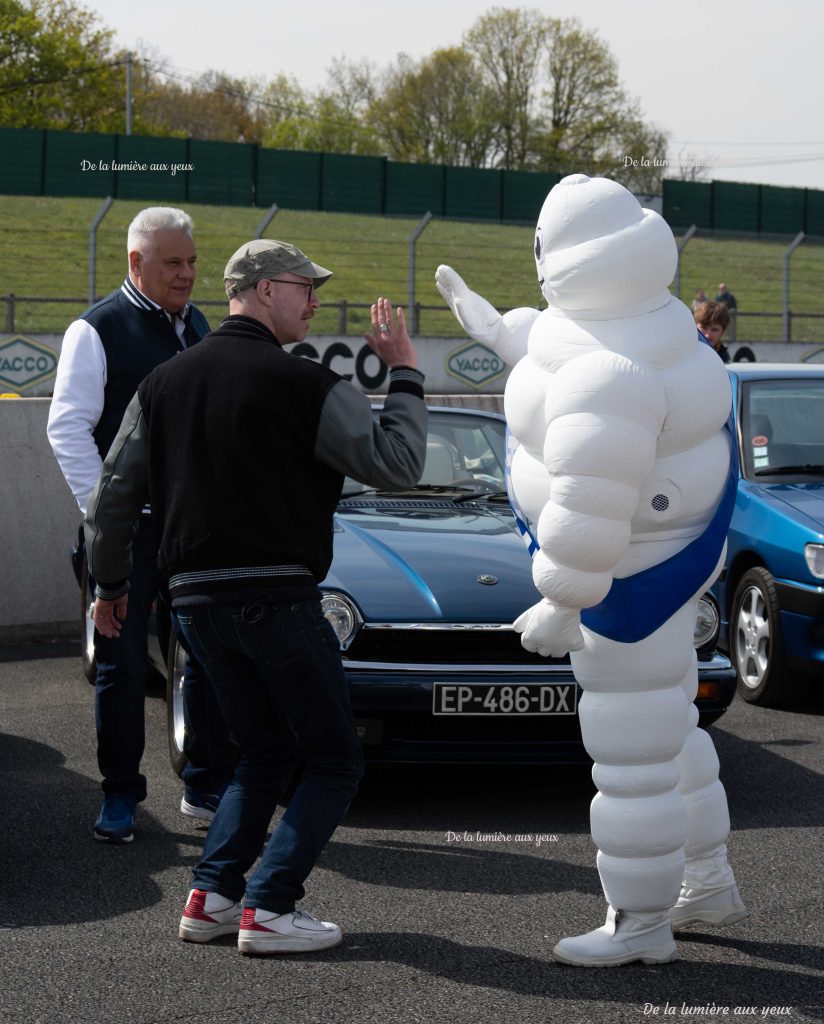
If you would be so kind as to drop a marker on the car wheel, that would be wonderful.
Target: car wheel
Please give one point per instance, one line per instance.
(175, 724)
(87, 626)
(758, 643)
(744, 355)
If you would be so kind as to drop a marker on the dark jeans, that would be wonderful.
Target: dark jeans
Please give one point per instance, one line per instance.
(122, 666)
(282, 689)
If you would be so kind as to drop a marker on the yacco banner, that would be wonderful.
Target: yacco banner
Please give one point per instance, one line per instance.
(452, 366)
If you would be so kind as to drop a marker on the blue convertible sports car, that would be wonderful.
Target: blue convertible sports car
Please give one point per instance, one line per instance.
(423, 590)
(772, 590)
(422, 593)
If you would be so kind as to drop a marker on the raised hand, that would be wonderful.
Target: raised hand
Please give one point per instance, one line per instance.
(390, 339)
(478, 317)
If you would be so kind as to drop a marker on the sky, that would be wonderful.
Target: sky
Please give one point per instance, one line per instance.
(737, 84)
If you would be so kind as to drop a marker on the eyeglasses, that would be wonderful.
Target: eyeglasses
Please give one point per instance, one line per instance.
(308, 285)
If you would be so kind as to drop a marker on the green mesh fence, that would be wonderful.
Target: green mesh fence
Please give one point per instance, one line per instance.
(289, 178)
(782, 210)
(236, 174)
(414, 189)
(523, 194)
(352, 184)
(221, 172)
(735, 207)
(814, 219)
(21, 161)
(79, 164)
(149, 168)
(686, 203)
(472, 193)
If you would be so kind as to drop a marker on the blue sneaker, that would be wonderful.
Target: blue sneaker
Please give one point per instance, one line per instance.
(200, 805)
(115, 823)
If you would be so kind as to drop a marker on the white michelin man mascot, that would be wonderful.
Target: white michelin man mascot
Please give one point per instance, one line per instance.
(622, 482)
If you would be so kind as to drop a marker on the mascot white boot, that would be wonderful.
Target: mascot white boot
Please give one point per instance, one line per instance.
(622, 483)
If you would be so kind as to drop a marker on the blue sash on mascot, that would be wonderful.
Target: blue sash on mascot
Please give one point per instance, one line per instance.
(638, 605)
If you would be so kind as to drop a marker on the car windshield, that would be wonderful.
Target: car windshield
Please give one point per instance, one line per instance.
(464, 451)
(781, 433)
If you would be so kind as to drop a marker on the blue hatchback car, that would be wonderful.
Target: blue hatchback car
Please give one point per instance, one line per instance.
(772, 591)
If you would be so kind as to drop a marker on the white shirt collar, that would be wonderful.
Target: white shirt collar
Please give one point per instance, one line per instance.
(137, 298)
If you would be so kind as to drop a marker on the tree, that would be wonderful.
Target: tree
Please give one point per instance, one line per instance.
(58, 69)
(586, 120)
(337, 120)
(438, 110)
(583, 100)
(559, 103)
(692, 167)
(508, 44)
(214, 106)
(287, 113)
(642, 150)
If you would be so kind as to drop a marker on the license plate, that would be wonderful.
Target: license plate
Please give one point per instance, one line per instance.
(504, 699)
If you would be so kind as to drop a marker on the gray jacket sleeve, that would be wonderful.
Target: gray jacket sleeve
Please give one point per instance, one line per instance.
(114, 508)
(388, 453)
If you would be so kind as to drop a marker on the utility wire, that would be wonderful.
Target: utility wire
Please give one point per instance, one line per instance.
(29, 82)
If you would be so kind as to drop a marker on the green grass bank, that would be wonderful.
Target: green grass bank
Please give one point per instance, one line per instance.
(44, 252)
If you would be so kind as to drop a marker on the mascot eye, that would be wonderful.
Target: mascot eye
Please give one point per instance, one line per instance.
(539, 244)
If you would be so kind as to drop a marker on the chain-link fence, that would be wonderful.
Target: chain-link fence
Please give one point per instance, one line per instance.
(778, 287)
(44, 261)
(45, 253)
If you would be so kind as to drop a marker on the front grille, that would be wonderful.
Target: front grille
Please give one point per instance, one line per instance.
(444, 647)
(477, 729)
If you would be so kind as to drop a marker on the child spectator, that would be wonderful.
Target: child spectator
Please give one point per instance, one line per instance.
(712, 319)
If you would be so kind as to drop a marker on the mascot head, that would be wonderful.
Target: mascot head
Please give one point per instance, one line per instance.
(598, 251)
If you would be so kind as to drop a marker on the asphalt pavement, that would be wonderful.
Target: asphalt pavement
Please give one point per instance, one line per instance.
(451, 888)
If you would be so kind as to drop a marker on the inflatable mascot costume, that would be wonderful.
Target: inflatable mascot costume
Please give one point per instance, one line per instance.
(622, 482)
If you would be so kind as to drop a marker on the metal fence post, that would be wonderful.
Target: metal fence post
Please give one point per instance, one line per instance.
(98, 217)
(794, 244)
(413, 239)
(691, 230)
(129, 93)
(264, 224)
(9, 313)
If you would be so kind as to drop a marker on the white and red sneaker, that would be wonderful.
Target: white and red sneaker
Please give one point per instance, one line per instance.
(208, 915)
(295, 932)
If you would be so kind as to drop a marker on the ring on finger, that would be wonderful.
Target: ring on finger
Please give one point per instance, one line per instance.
(383, 328)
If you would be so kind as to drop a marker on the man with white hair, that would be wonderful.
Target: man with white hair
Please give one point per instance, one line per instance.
(106, 353)
(244, 448)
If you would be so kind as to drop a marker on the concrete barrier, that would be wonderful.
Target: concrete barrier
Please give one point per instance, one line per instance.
(39, 596)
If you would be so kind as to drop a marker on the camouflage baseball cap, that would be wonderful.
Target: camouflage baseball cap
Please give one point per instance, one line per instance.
(266, 258)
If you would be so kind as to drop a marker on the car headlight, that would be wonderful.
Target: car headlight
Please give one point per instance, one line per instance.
(814, 553)
(342, 615)
(707, 622)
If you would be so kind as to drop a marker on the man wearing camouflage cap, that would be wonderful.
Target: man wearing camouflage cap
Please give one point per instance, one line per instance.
(244, 449)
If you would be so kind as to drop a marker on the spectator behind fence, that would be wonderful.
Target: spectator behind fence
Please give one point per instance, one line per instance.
(244, 449)
(726, 297)
(105, 355)
(700, 296)
(712, 319)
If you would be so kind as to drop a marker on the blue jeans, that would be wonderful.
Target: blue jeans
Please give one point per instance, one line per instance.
(122, 667)
(281, 687)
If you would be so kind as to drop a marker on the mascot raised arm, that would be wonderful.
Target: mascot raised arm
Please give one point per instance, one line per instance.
(622, 482)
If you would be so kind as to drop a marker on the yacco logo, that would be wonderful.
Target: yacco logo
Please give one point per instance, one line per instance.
(475, 364)
(25, 363)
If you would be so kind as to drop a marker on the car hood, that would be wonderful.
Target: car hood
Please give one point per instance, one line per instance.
(805, 500)
(409, 560)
